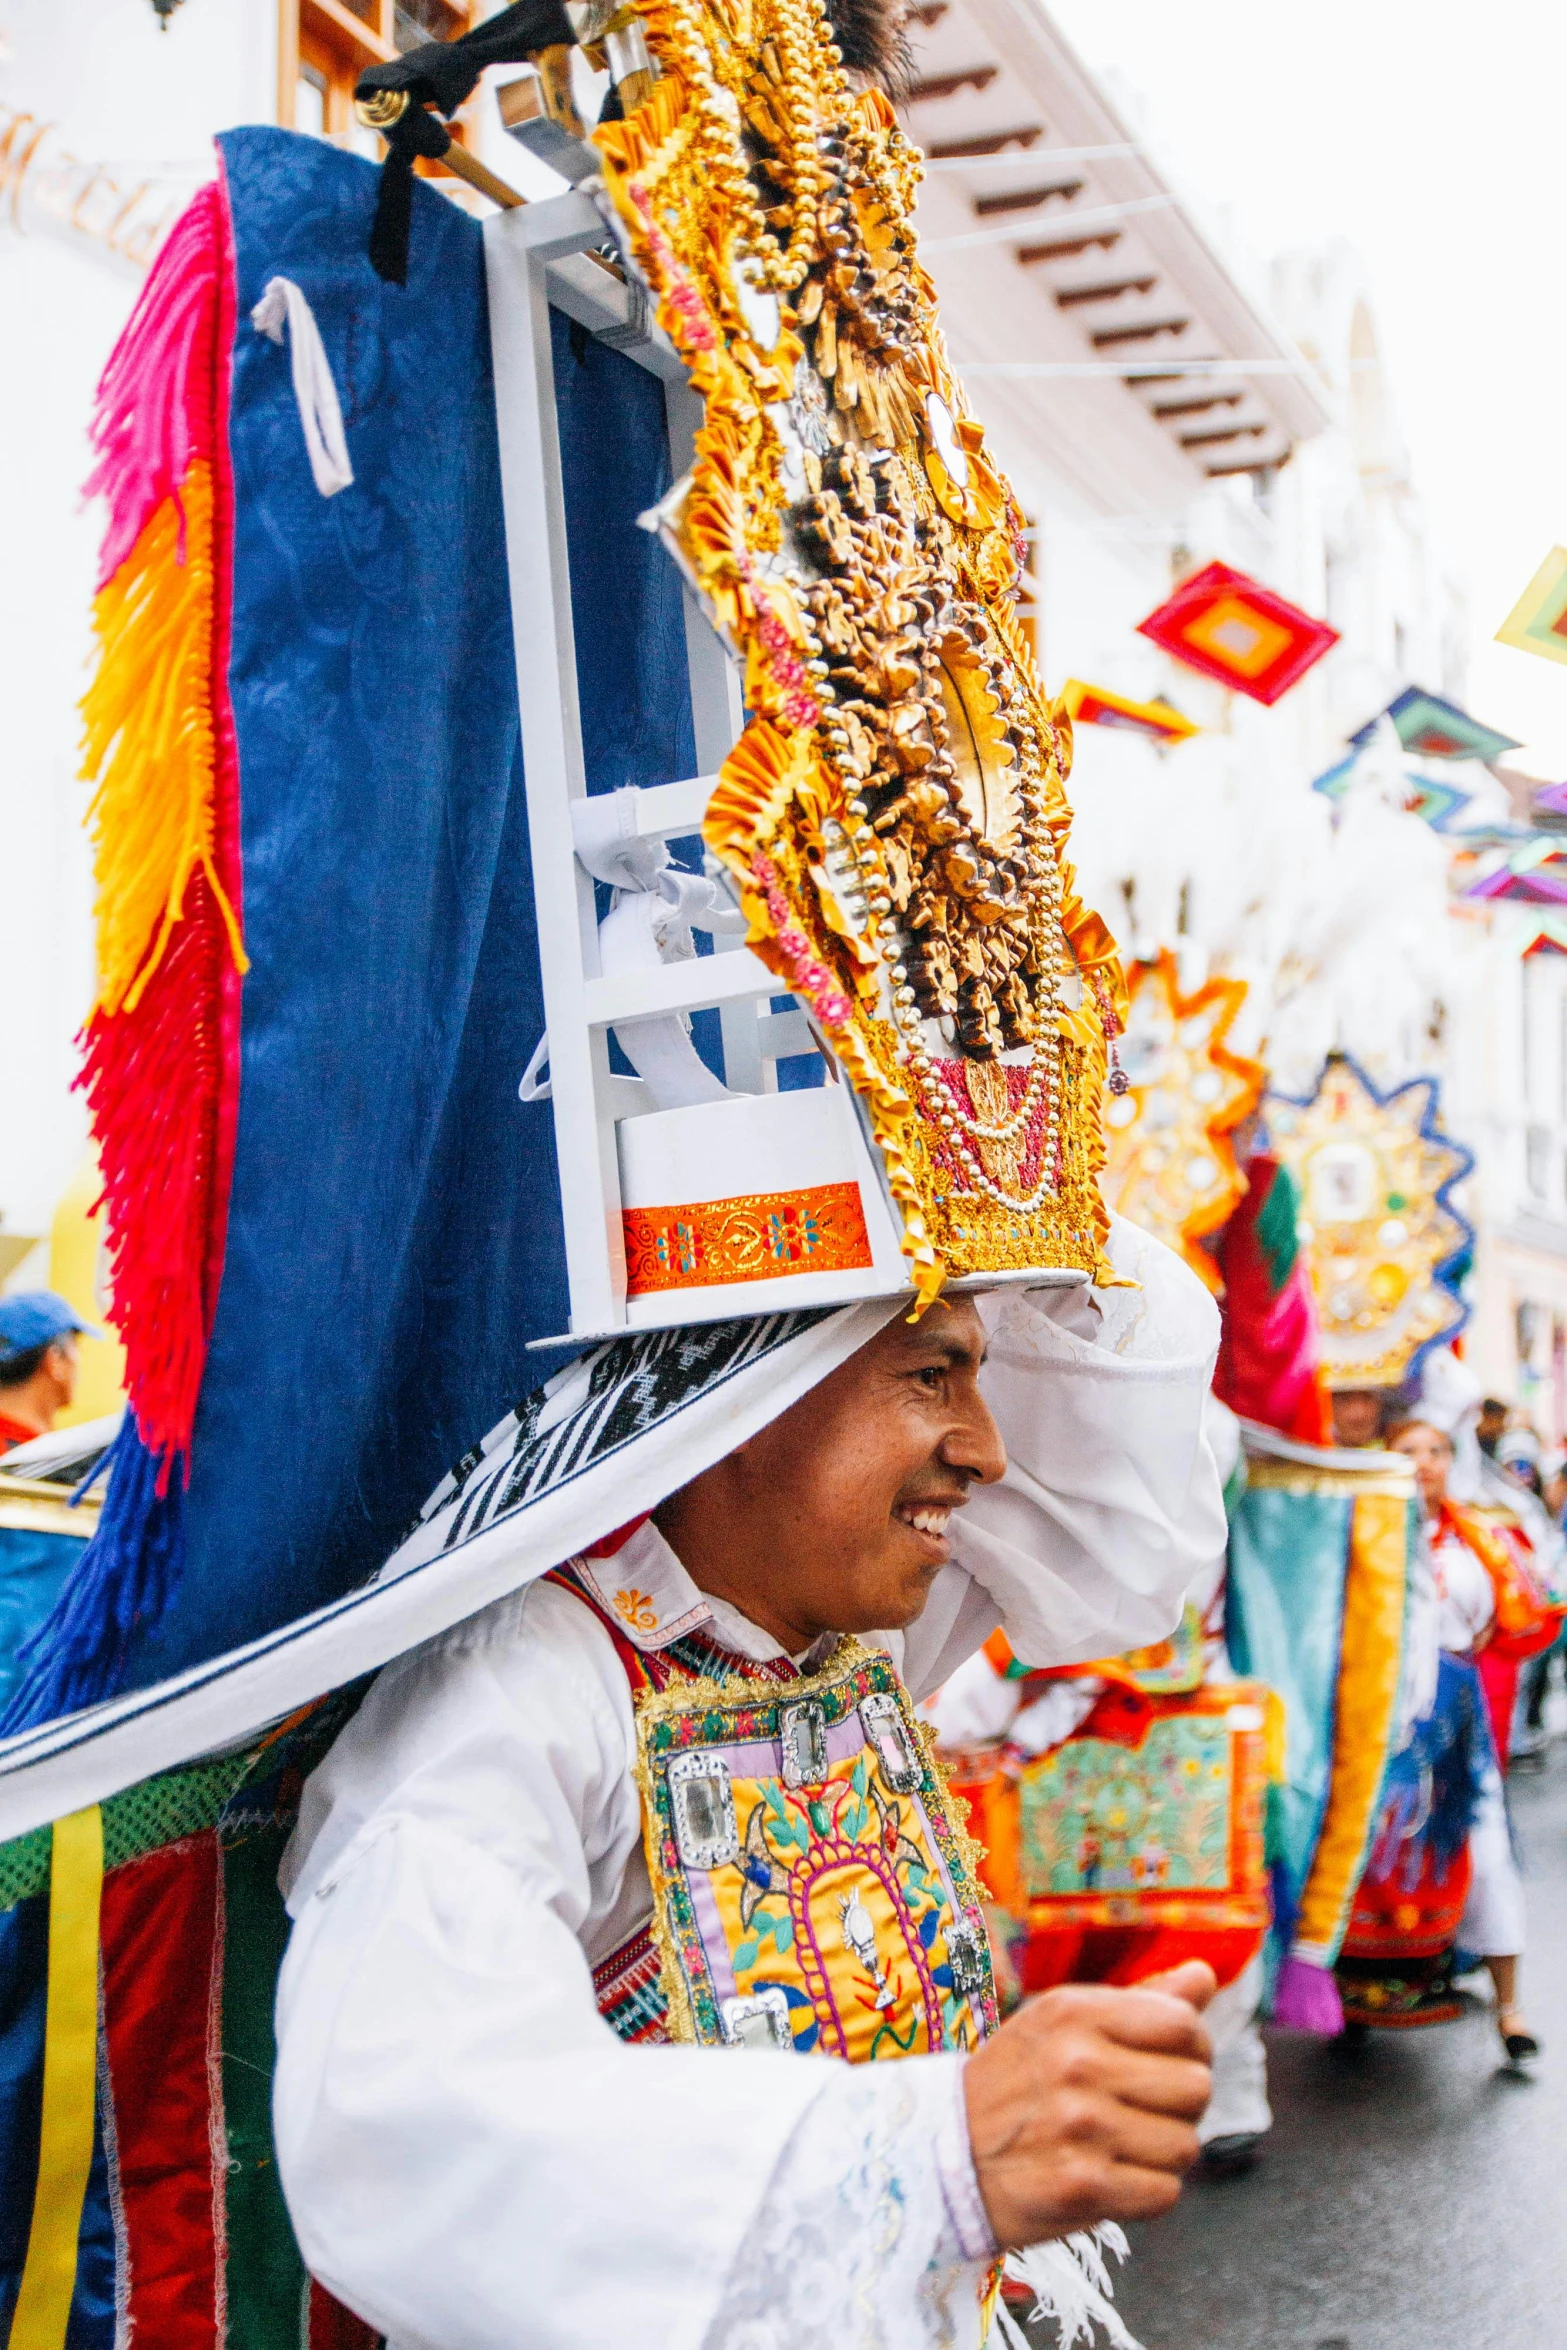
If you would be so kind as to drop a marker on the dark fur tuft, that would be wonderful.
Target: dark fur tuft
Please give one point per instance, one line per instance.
(873, 35)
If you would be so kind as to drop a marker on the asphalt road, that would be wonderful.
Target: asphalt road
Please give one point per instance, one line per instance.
(1413, 2193)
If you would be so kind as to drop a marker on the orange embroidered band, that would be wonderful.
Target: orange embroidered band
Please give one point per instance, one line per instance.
(757, 1237)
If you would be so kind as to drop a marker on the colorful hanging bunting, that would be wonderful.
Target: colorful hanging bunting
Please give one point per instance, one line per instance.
(1434, 729)
(1534, 874)
(1232, 628)
(1549, 939)
(1383, 1241)
(1334, 782)
(1537, 623)
(1094, 705)
(1170, 1161)
(1437, 802)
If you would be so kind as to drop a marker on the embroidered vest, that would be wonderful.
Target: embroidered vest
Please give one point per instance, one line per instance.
(813, 1886)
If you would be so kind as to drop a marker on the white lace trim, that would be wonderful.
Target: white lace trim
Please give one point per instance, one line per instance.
(866, 2236)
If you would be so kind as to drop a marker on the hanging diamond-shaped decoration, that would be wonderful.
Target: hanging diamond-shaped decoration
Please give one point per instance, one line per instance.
(163, 10)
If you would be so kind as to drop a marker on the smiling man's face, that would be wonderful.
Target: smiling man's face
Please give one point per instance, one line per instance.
(834, 1519)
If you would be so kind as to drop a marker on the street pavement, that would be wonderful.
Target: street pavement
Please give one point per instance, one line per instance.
(1413, 2193)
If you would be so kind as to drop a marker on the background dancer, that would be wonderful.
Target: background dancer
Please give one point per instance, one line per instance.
(1487, 1598)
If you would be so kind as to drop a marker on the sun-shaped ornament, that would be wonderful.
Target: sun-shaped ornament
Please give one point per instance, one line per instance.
(1169, 1158)
(1382, 1238)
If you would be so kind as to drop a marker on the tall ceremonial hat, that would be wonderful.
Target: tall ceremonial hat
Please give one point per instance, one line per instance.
(491, 623)
(1385, 1244)
(890, 819)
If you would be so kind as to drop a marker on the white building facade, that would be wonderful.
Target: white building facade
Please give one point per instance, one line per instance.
(1343, 924)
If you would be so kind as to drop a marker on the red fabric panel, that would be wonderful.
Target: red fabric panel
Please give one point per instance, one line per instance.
(1391, 1920)
(1499, 1680)
(1268, 1351)
(1130, 1954)
(332, 2327)
(162, 1966)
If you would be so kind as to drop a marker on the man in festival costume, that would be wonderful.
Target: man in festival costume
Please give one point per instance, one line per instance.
(1377, 1173)
(1443, 1877)
(420, 660)
(471, 1888)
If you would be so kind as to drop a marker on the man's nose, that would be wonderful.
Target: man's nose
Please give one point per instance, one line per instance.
(975, 1445)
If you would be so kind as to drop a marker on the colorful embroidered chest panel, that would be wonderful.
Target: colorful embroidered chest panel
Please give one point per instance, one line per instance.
(1164, 1827)
(812, 1885)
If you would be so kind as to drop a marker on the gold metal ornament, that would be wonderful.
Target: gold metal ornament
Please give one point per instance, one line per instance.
(1381, 1236)
(381, 109)
(894, 813)
(1170, 1156)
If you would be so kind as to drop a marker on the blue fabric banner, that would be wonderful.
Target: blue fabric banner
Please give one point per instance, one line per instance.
(1289, 1554)
(393, 1235)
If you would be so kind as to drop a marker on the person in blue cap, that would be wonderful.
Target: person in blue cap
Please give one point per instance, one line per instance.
(38, 1334)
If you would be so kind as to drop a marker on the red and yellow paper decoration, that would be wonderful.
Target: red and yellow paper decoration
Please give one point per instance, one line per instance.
(1236, 630)
(1170, 1162)
(1094, 705)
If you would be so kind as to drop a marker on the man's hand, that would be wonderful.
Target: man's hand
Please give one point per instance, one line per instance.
(1083, 2107)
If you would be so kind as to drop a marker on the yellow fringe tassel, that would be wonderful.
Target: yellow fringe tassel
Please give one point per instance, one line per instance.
(149, 743)
(1368, 1685)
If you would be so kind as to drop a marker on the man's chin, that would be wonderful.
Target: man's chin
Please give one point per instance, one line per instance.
(913, 1580)
(888, 1601)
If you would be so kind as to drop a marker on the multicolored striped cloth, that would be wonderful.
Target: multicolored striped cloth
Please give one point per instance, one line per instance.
(180, 2239)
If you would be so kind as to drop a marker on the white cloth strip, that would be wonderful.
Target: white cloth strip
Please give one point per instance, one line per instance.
(320, 411)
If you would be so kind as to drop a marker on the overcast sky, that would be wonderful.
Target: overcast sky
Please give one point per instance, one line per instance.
(1433, 136)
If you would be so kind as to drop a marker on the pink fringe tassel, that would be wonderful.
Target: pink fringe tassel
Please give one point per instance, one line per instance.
(154, 410)
(163, 1080)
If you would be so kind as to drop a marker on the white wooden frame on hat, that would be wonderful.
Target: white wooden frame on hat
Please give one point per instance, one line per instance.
(538, 256)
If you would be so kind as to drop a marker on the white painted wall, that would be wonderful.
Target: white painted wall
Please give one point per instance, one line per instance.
(117, 91)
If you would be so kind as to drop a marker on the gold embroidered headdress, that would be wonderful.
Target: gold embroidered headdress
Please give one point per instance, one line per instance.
(1170, 1151)
(893, 814)
(1383, 1240)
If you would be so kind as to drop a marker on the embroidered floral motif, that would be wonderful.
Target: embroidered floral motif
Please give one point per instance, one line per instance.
(745, 1239)
(636, 1609)
(1166, 1831)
